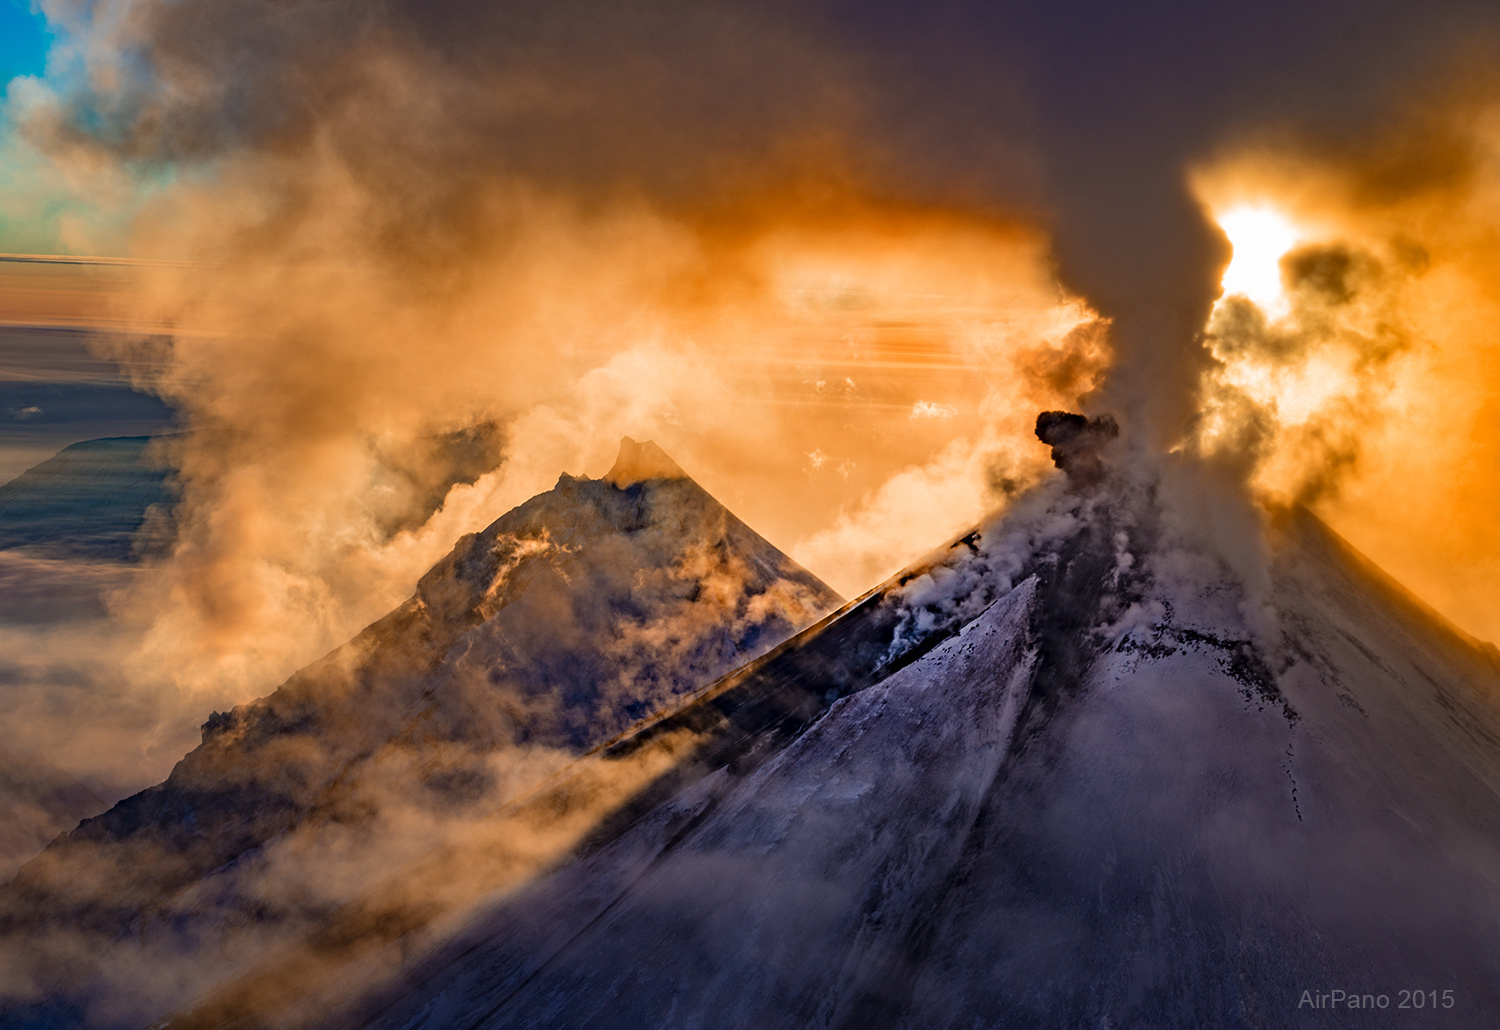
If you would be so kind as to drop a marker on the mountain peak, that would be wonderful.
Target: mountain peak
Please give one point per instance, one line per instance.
(567, 620)
(639, 462)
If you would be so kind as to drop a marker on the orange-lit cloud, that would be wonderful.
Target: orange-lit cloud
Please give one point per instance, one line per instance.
(1368, 383)
(793, 359)
(374, 226)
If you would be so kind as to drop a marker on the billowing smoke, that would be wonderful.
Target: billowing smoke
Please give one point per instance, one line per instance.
(1076, 442)
(1300, 388)
(697, 223)
(813, 249)
(1364, 384)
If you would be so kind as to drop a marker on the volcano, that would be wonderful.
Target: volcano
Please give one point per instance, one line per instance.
(1072, 770)
(564, 622)
(1085, 765)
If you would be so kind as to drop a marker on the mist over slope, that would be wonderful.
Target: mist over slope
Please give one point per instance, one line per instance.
(1095, 776)
(560, 624)
(78, 532)
(36, 804)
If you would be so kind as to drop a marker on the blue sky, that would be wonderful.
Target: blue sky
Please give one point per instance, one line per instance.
(39, 211)
(23, 40)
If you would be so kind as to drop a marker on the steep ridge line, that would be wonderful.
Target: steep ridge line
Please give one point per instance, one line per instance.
(726, 711)
(856, 1018)
(745, 717)
(367, 925)
(1145, 814)
(754, 713)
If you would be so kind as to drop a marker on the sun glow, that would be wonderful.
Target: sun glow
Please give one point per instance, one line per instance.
(1260, 236)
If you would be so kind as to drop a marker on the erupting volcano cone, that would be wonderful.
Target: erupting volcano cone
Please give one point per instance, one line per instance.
(1071, 772)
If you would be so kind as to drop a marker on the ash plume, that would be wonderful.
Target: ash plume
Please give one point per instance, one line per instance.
(1076, 441)
(982, 108)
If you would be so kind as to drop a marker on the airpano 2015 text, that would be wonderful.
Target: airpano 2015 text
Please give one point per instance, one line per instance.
(1403, 999)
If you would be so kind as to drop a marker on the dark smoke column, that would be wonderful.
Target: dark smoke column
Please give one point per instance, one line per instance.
(1089, 117)
(1076, 442)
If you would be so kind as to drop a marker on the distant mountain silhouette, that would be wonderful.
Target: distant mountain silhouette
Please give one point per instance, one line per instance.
(89, 500)
(112, 499)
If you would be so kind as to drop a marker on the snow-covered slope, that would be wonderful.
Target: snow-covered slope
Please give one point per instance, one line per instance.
(567, 619)
(1094, 781)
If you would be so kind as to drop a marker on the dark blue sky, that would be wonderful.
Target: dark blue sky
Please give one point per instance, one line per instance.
(23, 40)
